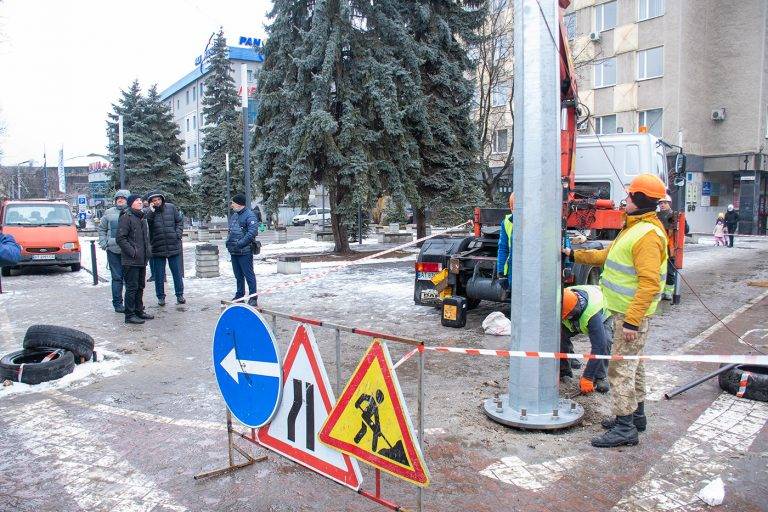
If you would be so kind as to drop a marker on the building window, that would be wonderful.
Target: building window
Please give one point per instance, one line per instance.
(187, 124)
(194, 93)
(250, 75)
(650, 63)
(188, 153)
(647, 9)
(194, 150)
(502, 48)
(500, 142)
(605, 73)
(187, 96)
(605, 16)
(499, 95)
(201, 89)
(570, 25)
(194, 122)
(605, 124)
(651, 119)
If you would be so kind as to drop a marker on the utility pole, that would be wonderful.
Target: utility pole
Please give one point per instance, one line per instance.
(246, 134)
(122, 150)
(533, 399)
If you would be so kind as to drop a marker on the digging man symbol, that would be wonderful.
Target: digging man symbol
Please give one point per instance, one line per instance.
(371, 418)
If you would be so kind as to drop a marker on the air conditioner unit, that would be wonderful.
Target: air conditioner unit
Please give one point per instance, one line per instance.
(718, 115)
(594, 36)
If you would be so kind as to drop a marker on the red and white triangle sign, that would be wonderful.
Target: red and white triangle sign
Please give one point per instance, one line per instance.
(307, 401)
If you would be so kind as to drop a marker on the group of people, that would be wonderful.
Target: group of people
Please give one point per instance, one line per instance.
(140, 231)
(616, 314)
(725, 225)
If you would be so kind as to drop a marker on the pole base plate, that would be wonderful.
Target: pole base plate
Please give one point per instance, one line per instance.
(569, 413)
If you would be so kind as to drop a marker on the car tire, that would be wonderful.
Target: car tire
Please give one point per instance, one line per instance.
(757, 381)
(76, 267)
(77, 342)
(6, 271)
(28, 366)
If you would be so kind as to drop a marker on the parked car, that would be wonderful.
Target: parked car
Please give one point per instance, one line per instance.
(311, 216)
(44, 229)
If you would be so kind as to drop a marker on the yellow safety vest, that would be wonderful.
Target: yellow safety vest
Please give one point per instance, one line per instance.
(508, 227)
(619, 278)
(595, 305)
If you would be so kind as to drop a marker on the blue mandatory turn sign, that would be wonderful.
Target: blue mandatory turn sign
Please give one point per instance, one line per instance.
(247, 365)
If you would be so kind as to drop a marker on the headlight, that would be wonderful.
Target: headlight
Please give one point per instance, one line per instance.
(69, 245)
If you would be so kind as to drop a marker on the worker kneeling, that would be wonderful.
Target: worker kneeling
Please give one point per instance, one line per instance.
(584, 312)
(634, 273)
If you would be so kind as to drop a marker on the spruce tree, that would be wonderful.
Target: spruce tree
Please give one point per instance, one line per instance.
(137, 140)
(222, 133)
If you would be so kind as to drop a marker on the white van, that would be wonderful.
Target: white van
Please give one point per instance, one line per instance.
(630, 153)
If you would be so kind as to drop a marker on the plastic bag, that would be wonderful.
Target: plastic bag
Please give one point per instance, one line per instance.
(497, 324)
(714, 493)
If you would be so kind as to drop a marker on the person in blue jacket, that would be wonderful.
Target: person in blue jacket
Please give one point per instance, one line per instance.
(243, 228)
(10, 252)
(504, 255)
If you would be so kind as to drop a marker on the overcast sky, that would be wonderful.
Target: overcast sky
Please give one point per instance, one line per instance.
(63, 62)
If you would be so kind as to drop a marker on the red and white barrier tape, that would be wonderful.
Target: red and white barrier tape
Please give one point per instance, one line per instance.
(343, 265)
(743, 384)
(408, 356)
(683, 358)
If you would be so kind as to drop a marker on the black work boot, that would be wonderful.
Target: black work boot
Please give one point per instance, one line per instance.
(638, 418)
(624, 433)
(601, 386)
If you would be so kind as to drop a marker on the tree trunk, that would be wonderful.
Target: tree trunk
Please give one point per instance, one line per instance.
(419, 216)
(340, 236)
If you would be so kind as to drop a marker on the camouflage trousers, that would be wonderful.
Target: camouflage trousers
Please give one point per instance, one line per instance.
(627, 378)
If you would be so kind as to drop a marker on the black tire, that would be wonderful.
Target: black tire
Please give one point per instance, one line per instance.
(35, 370)
(77, 342)
(757, 383)
(472, 303)
(6, 271)
(75, 267)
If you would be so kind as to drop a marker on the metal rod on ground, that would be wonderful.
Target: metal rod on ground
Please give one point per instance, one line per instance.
(676, 292)
(122, 150)
(686, 387)
(338, 362)
(246, 134)
(94, 269)
(421, 406)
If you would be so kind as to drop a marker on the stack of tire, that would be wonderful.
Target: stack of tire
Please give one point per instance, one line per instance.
(754, 376)
(50, 352)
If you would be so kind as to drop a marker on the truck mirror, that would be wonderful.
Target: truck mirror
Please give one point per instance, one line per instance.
(680, 161)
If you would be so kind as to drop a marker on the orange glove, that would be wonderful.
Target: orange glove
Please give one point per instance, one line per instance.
(586, 386)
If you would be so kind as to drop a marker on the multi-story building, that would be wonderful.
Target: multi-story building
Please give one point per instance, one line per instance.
(692, 72)
(185, 98)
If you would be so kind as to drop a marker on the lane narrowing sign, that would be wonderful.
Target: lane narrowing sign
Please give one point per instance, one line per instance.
(247, 365)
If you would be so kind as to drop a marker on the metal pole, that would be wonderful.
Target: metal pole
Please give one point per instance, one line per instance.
(686, 387)
(338, 363)
(246, 134)
(420, 405)
(229, 438)
(535, 302)
(122, 150)
(229, 186)
(94, 268)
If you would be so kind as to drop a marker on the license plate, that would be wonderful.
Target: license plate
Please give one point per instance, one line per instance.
(425, 276)
(429, 295)
(44, 257)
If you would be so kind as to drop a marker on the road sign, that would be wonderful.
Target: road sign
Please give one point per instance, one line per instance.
(81, 216)
(371, 422)
(308, 399)
(247, 365)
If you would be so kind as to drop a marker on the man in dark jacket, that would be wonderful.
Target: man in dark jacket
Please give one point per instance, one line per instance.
(108, 241)
(166, 225)
(243, 228)
(731, 223)
(135, 251)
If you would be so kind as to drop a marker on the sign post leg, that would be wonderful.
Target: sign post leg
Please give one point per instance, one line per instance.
(230, 455)
(338, 362)
(420, 412)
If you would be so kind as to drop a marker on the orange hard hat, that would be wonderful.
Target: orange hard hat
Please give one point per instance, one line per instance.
(569, 302)
(512, 201)
(649, 185)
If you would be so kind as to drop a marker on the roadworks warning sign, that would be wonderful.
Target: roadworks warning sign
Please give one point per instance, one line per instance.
(371, 422)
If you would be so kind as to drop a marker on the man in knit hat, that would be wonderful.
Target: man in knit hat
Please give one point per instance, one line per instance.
(108, 242)
(135, 251)
(243, 228)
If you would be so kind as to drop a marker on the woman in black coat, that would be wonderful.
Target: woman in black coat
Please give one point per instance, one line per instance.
(135, 251)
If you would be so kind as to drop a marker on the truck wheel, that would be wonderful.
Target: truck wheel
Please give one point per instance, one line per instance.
(36, 365)
(75, 267)
(757, 381)
(6, 271)
(77, 342)
(472, 303)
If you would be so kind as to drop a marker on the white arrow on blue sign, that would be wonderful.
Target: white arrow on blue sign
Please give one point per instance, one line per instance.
(247, 365)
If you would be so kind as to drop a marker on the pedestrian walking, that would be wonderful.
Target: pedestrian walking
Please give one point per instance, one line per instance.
(731, 223)
(108, 242)
(243, 229)
(584, 312)
(135, 251)
(635, 268)
(166, 226)
(720, 230)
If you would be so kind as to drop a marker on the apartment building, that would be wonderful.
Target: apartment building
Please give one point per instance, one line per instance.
(692, 72)
(185, 98)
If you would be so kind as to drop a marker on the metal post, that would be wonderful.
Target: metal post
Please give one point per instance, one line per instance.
(338, 363)
(246, 134)
(94, 268)
(229, 185)
(122, 150)
(534, 383)
(229, 438)
(420, 405)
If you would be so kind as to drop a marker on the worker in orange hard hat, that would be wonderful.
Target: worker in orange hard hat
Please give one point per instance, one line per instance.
(634, 272)
(584, 312)
(504, 254)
